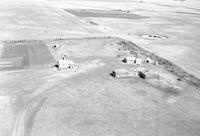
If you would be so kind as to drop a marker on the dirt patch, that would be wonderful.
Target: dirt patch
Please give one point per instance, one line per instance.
(153, 37)
(33, 53)
(188, 13)
(104, 14)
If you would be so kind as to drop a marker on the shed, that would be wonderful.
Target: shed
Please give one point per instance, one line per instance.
(63, 64)
(141, 75)
(149, 60)
(138, 61)
(123, 73)
(129, 59)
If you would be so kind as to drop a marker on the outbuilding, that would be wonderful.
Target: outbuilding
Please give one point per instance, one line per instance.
(129, 59)
(123, 73)
(63, 64)
(149, 60)
(138, 61)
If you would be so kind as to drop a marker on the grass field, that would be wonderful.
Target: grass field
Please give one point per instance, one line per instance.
(89, 101)
(38, 99)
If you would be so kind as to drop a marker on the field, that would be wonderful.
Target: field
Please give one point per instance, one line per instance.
(40, 98)
(157, 17)
(89, 101)
(32, 54)
(104, 14)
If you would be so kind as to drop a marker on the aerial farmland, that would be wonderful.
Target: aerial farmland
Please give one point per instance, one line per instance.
(99, 68)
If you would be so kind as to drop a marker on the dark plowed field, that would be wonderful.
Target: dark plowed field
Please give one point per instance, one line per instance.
(104, 14)
(32, 53)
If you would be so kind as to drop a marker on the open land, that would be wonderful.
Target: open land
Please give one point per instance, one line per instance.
(39, 99)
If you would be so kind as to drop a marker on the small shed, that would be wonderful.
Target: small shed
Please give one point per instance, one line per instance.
(138, 61)
(55, 45)
(119, 73)
(129, 59)
(141, 75)
(123, 73)
(63, 64)
(149, 60)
